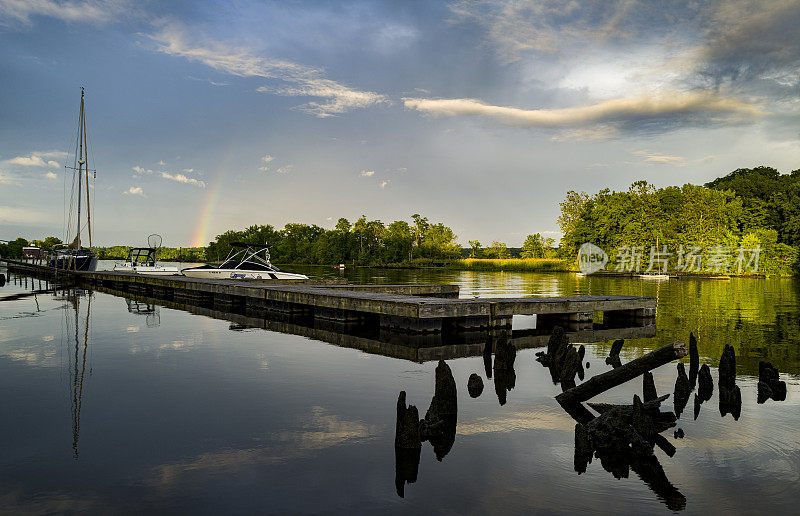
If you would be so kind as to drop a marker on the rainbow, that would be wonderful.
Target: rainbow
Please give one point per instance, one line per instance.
(200, 235)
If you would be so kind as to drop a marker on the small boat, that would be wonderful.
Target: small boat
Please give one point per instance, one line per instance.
(142, 260)
(74, 256)
(653, 276)
(244, 262)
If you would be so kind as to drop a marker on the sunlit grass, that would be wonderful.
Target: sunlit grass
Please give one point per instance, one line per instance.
(516, 264)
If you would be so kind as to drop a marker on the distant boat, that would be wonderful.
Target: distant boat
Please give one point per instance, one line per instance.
(244, 262)
(74, 256)
(653, 276)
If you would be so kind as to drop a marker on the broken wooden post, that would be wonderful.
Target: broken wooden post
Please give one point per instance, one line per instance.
(730, 396)
(682, 391)
(648, 387)
(622, 374)
(439, 425)
(504, 375)
(694, 361)
(613, 355)
(474, 385)
(769, 383)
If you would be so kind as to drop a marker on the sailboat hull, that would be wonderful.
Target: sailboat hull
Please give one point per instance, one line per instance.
(81, 262)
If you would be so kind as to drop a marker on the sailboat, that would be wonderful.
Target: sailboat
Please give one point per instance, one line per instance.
(74, 256)
(654, 274)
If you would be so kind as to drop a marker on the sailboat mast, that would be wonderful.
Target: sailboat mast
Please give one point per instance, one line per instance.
(86, 169)
(80, 171)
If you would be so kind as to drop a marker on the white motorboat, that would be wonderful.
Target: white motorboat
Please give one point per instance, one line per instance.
(142, 260)
(244, 262)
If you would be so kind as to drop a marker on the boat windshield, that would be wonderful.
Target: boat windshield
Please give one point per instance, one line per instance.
(245, 256)
(142, 256)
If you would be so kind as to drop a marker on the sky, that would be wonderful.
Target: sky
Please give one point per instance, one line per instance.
(205, 116)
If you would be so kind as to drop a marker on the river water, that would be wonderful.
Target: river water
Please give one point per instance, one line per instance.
(115, 405)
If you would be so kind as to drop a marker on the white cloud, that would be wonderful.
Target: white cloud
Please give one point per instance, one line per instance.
(161, 162)
(139, 171)
(285, 170)
(209, 81)
(649, 107)
(94, 11)
(36, 159)
(367, 173)
(267, 159)
(384, 183)
(135, 190)
(188, 170)
(303, 81)
(51, 175)
(180, 178)
(656, 158)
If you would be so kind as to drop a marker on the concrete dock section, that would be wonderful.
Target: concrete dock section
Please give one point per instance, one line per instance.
(421, 309)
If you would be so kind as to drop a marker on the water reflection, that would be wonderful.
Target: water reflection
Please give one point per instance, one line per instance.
(263, 419)
(75, 338)
(151, 312)
(621, 437)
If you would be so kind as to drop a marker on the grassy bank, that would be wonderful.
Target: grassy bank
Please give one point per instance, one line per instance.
(514, 264)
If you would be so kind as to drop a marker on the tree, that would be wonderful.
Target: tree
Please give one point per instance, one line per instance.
(498, 250)
(534, 247)
(572, 220)
(476, 248)
(419, 231)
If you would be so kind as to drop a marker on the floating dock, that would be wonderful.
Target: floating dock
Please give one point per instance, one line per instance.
(419, 309)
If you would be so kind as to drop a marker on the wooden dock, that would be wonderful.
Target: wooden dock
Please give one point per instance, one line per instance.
(409, 308)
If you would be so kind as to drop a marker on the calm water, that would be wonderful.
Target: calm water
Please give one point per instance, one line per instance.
(110, 404)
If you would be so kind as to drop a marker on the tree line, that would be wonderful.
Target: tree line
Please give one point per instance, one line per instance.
(371, 242)
(747, 208)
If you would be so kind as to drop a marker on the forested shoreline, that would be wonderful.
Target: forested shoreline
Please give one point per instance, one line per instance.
(745, 210)
(748, 209)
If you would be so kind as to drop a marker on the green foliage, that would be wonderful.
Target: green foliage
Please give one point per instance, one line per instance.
(498, 250)
(365, 242)
(535, 246)
(475, 249)
(747, 208)
(13, 249)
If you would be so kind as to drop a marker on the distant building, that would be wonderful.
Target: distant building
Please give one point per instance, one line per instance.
(33, 253)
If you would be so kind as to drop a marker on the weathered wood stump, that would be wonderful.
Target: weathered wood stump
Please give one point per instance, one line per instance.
(694, 361)
(613, 355)
(475, 385)
(439, 425)
(682, 390)
(769, 383)
(730, 396)
(406, 435)
(622, 374)
(648, 387)
(505, 377)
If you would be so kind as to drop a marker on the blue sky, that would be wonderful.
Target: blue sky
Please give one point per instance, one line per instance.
(207, 116)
